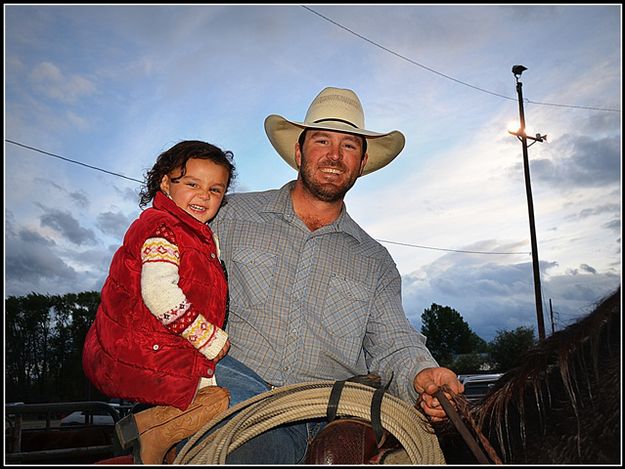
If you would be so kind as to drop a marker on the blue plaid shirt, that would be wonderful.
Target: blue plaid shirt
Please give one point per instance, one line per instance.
(322, 305)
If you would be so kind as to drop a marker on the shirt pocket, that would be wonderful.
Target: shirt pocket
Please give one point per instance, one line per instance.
(251, 276)
(345, 310)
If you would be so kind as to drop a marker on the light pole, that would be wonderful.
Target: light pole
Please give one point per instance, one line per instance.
(517, 70)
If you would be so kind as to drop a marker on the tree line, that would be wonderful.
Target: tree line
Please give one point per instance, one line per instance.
(454, 345)
(44, 338)
(45, 334)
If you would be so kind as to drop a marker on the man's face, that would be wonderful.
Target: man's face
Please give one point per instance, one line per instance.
(330, 162)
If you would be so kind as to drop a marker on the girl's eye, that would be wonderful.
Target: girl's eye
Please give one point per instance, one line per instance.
(192, 184)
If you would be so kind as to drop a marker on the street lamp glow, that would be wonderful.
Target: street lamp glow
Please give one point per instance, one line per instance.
(513, 127)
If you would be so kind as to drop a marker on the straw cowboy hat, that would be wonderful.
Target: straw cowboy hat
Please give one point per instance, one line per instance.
(338, 110)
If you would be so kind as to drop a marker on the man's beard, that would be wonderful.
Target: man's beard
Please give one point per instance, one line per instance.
(325, 192)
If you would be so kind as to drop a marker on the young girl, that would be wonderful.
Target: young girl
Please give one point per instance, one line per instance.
(158, 330)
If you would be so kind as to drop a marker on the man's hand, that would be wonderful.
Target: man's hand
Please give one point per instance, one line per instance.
(427, 382)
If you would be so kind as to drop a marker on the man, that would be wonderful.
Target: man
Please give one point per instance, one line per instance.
(312, 296)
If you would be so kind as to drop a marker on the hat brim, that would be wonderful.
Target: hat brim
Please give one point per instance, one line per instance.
(382, 148)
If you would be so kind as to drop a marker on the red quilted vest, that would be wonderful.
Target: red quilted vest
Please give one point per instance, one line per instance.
(128, 353)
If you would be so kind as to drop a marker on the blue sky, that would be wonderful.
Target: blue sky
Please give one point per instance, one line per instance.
(113, 86)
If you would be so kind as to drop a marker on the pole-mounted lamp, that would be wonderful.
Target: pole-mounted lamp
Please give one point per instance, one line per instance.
(517, 70)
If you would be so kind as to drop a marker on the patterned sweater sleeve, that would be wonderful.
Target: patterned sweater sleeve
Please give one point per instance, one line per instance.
(161, 294)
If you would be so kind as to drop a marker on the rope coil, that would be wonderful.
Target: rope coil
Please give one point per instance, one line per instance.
(298, 402)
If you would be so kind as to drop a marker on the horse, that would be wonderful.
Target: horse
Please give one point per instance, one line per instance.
(561, 406)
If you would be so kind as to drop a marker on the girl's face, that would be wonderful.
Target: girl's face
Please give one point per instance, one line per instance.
(200, 191)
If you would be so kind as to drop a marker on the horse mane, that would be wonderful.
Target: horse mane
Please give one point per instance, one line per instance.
(564, 390)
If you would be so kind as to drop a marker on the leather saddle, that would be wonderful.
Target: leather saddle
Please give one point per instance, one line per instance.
(353, 440)
(350, 440)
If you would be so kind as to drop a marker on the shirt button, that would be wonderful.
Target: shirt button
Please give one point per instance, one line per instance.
(213, 255)
(155, 347)
(209, 372)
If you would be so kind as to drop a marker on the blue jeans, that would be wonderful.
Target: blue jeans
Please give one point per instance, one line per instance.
(284, 444)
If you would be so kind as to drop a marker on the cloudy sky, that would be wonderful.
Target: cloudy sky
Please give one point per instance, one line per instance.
(94, 93)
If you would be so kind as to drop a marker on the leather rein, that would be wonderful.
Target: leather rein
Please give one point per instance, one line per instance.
(468, 437)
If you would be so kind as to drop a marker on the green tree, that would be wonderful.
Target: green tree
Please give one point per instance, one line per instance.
(27, 336)
(469, 363)
(73, 314)
(477, 344)
(447, 334)
(508, 347)
(44, 339)
(82, 307)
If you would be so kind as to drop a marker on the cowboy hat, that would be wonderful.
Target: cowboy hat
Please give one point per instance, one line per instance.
(338, 110)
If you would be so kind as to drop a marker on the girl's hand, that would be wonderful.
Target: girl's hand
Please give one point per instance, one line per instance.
(222, 353)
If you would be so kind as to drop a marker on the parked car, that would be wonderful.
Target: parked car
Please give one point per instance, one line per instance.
(95, 417)
(477, 386)
(82, 417)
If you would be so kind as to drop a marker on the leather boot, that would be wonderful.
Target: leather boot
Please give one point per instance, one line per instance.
(154, 431)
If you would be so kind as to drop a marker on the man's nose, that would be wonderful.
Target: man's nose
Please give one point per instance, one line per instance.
(334, 151)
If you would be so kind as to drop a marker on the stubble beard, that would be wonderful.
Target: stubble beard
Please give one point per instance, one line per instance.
(325, 192)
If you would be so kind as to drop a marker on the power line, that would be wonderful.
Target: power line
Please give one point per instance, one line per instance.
(136, 180)
(405, 58)
(592, 108)
(72, 161)
(452, 250)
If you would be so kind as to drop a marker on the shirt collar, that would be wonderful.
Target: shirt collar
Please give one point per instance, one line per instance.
(282, 204)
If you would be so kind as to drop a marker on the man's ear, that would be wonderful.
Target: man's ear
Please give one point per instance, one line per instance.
(298, 155)
(363, 163)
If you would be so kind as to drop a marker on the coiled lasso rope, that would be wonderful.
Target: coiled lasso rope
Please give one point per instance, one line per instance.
(305, 401)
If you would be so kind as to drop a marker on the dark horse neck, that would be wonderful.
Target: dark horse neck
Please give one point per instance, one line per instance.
(562, 406)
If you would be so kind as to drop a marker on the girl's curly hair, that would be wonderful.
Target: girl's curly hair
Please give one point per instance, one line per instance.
(177, 157)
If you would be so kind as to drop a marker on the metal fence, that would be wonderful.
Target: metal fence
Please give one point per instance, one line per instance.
(19, 420)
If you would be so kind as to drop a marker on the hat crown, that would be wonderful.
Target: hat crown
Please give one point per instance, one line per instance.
(336, 104)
